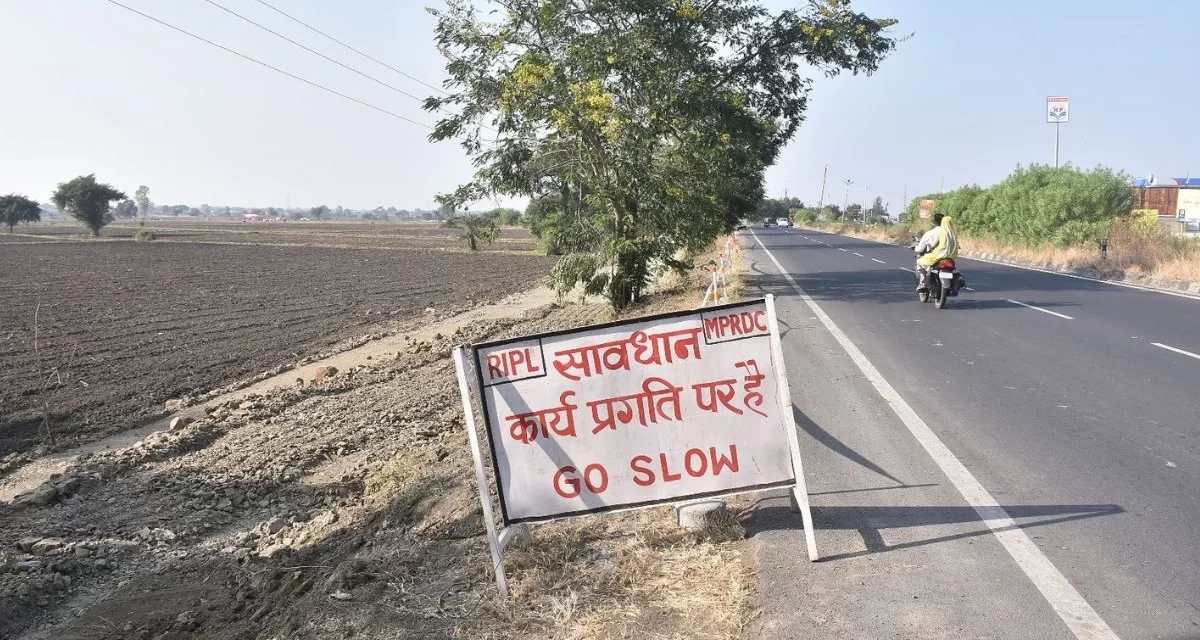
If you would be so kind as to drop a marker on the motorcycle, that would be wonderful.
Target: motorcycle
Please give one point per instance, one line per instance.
(942, 281)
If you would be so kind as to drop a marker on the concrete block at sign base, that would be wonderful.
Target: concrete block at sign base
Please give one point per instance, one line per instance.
(694, 514)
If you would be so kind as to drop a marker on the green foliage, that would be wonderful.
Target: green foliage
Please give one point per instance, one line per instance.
(1040, 204)
(777, 208)
(15, 209)
(477, 228)
(508, 217)
(318, 212)
(564, 227)
(87, 201)
(142, 197)
(830, 213)
(806, 216)
(651, 123)
(125, 209)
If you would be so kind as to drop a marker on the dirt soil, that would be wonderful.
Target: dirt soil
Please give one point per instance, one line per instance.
(124, 327)
(345, 508)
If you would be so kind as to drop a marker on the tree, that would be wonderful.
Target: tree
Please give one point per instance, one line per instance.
(660, 117)
(477, 228)
(205, 210)
(317, 212)
(877, 208)
(805, 215)
(87, 201)
(142, 197)
(125, 209)
(15, 209)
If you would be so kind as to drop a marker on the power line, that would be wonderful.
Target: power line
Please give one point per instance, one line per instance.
(264, 64)
(365, 55)
(314, 52)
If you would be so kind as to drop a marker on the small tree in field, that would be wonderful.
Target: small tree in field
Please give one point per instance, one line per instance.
(15, 208)
(476, 228)
(87, 201)
(142, 196)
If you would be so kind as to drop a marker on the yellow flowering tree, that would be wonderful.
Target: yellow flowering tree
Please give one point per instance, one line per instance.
(648, 122)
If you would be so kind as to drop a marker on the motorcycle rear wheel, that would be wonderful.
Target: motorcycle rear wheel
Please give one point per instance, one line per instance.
(940, 303)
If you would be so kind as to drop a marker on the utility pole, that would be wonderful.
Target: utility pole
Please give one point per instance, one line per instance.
(821, 202)
(846, 201)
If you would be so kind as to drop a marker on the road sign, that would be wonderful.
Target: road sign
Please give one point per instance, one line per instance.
(643, 412)
(927, 208)
(1058, 109)
(631, 414)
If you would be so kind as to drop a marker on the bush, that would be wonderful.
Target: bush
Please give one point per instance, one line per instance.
(145, 235)
(1063, 206)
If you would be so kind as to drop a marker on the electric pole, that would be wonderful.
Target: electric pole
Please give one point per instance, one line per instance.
(821, 202)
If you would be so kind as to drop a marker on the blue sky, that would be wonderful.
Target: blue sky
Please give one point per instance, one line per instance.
(963, 101)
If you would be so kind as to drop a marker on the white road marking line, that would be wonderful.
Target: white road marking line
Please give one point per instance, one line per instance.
(907, 269)
(859, 254)
(840, 249)
(968, 288)
(1079, 616)
(1179, 351)
(1128, 285)
(879, 261)
(1053, 313)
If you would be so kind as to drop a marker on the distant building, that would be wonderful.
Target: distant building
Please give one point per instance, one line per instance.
(1164, 195)
(252, 217)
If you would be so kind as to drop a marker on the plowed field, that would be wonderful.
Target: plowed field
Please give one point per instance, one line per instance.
(125, 326)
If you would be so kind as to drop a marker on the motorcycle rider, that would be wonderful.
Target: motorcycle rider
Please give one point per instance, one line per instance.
(939, 243)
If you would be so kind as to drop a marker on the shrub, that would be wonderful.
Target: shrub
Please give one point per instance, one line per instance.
(145, 235)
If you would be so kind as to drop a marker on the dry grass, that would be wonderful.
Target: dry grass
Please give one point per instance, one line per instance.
(633, 575)
(1132, 250)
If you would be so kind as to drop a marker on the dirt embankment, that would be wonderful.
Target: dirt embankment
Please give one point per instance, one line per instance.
(344, 508)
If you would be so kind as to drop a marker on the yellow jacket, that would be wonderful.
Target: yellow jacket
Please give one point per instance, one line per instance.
(946, 246)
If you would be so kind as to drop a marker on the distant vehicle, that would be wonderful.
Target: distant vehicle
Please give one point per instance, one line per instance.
(741, 226)
(768, 222)
(784, 222)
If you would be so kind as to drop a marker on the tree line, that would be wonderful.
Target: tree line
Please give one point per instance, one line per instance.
(96, 205)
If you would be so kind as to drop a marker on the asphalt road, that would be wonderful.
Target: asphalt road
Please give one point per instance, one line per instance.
(1075, 404)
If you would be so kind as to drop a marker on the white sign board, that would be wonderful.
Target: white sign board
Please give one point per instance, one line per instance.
(1188, 205)
(637, 413)
(1058, 109)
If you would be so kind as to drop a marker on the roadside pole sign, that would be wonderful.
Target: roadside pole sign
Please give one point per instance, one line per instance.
(1058, 109)
(651, 411)
(927, 208)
